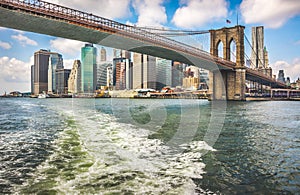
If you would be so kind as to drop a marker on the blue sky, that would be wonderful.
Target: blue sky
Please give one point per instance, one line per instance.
(281, 19)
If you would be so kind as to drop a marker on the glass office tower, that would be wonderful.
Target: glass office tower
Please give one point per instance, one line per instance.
(88, 68)
(55, 62)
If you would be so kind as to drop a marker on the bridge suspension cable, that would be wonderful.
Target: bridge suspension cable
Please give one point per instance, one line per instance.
(172, 32)
(190, 37)
(253, 51)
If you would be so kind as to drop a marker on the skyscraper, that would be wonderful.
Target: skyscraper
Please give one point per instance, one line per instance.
(41, 62)
(144, 71)
(119, 53)
(32, 79)
(120, 75)
(149, 72)
(258, 55)
(266, 58)
(103, 54)
(55, 62)
(177, 74)
(74, 82)
(61, 81)
(281, 76)
(122, 69)
(195, 78)
(137, 82)
(109, 77)
(163, 73)
(102, 74)
(88, 68)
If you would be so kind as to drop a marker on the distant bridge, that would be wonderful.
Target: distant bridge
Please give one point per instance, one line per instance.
(56, 20)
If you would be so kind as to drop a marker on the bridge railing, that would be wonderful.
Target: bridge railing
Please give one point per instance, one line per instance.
(265, 77)
(97, 22)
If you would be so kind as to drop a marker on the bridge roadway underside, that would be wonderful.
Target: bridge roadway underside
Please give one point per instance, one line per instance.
(266, 82)
(62, 28)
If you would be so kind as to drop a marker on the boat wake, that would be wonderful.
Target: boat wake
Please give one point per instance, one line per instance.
(97, 154)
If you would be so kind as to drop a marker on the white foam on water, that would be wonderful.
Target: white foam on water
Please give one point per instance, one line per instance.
(124, 159)
(120, 149)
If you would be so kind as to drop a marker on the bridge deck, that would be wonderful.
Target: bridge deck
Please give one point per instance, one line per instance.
(51, 19)
(55, 20)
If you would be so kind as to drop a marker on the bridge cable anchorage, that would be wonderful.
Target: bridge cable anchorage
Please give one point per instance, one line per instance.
(253, 51)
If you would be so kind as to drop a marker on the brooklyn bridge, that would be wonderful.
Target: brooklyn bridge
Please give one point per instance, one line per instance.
(228, 77)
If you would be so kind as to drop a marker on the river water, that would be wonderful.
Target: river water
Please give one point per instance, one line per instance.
(148, 146)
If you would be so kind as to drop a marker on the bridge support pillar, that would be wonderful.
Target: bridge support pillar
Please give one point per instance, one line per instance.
(228, 84)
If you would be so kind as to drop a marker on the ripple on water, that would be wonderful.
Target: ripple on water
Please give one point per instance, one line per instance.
(25, 138)
(93, 157)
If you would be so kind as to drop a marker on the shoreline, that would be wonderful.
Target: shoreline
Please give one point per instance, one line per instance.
(164, 97)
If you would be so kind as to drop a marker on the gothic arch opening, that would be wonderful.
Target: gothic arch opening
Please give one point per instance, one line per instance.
(232, 50)
(220, 49)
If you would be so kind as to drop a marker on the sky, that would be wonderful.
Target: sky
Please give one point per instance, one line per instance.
(280, 18)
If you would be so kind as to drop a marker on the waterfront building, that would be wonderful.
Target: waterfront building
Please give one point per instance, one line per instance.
(288, 82)
(128, 73)
(191, 83)
(137, 81)
(149, 72)
(40, 73)
(62, 76)
(193, 71)
(55, 62)
(120, 75)
(163, 73)
(296, 84)
(195, 78)
(88, 68)
(144, 71)
(102, 54)
(102, 74)
(32, 79)
(177, 74)
(74, 81)
(281, 76)
(122, 69)
(204, 78)
(109, 77)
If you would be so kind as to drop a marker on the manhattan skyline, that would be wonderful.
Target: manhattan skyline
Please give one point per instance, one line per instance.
(280, 19)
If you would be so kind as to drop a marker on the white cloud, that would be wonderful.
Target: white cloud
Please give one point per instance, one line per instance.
(23, 40)
(68, 63)
(105, 8)
(291, 70)
(14, 70)
(5, 45)
(196, 13)
(150, 12)
(66, 46)
(129, 23)
(272, 14)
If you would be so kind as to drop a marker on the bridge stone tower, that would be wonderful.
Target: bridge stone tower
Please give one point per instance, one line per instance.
(228, 84)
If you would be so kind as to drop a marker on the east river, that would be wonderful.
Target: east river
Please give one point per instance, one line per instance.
(148, 146)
